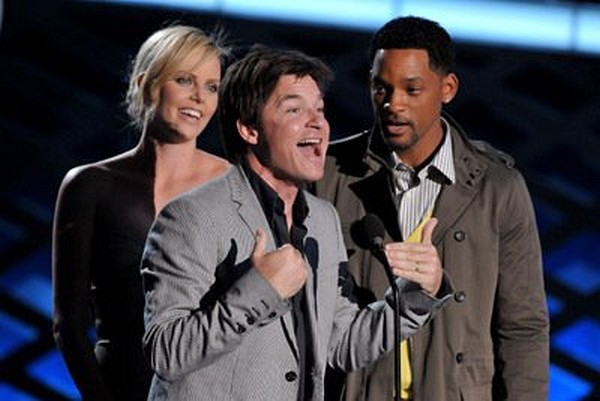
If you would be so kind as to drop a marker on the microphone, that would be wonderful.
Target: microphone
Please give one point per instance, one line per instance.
(375, 231)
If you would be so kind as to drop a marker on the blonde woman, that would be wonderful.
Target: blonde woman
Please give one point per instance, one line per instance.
(105, 209)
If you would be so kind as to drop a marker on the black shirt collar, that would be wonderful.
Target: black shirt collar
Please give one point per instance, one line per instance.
(273, 207)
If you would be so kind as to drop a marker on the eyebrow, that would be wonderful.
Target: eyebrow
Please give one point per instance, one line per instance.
(414, 79)
(289, 96)
(187, 72)
(378, 80)
(293, 96)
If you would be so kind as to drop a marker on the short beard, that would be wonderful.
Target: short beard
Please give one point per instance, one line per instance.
(399, 147)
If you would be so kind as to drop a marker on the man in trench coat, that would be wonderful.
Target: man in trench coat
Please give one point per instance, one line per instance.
(491, 342)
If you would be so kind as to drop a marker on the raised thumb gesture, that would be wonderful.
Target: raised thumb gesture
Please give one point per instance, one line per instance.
(260, 245)
(417, 261)
(427, 233)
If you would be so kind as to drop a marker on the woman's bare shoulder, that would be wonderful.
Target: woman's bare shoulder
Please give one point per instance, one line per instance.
(212, 165)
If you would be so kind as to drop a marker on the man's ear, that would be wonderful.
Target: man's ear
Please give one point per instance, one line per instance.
(248, 133)
(450, 86)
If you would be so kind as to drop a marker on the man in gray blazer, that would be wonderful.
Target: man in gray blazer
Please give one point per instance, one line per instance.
(247, 296)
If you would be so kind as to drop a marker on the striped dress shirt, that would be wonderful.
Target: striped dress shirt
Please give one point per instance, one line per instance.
(417, 190)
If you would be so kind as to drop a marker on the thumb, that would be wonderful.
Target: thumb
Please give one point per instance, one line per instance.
(428, 230)
(260, 243)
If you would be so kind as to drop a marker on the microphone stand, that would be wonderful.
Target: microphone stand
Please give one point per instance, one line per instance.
(396, 308)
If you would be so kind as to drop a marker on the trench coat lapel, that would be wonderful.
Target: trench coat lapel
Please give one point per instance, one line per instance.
(454, 199)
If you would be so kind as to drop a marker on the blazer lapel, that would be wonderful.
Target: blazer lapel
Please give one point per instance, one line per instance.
(249, 208)
(251, 213)
(311, 252)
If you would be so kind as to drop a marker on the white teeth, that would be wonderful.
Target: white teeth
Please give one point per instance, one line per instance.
(192, 113)
(310, 141)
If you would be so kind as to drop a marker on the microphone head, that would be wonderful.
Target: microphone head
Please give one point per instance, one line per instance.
(374, 230)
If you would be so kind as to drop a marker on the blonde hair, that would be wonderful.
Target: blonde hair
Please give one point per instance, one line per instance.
(157, 58)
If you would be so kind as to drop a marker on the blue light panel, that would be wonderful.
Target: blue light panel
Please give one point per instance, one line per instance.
(13, 335)
(9, 393)
(51, 370)
(10, 233)
(511, 23)
(555, 305)
(547, 216)
(558, 26)
(565, 386)
(576, 263)
(29, 281)
(343, 13)
(588, 35)
(580, 341)
(571, 189)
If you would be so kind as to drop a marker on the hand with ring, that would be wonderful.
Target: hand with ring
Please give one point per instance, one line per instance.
(417, 261)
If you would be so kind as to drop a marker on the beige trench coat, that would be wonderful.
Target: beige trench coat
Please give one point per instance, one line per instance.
(491, 341)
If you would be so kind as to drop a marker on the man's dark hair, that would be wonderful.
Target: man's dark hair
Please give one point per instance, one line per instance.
(249, 82)
(417, 33)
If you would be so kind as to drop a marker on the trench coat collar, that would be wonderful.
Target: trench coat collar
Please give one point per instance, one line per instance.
(470, 167)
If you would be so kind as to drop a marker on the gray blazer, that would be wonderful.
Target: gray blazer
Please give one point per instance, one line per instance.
(217, 330)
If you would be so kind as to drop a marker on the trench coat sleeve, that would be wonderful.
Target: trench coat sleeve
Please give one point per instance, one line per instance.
(521, 324)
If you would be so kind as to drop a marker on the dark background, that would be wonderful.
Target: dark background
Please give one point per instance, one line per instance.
(63, 75)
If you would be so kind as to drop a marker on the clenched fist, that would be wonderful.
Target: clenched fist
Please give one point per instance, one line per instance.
(284, 268)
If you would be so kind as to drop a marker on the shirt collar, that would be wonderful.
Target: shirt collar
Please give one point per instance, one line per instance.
(270, 201)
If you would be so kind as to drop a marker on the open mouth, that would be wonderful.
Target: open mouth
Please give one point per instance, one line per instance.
(394, 122)
(195, 114)
(311, 145)
(310, 142)
(395, 127)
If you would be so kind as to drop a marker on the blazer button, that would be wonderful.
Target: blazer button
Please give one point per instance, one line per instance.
(460, 296)
(459, 357)
(460, 236)
(291, 376)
